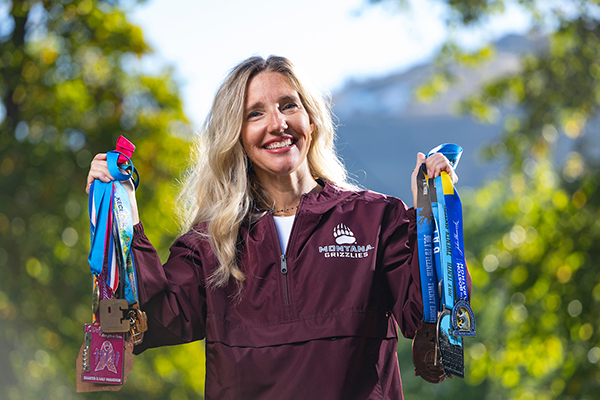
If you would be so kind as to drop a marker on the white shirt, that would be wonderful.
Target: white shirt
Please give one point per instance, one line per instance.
(284, 229)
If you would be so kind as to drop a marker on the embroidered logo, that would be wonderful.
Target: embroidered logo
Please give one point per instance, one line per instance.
(345, 246)
(343, 235)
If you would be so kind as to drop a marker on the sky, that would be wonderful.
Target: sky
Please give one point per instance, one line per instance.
(330, 41)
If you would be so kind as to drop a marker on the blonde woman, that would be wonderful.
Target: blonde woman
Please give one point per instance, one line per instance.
(297, 280)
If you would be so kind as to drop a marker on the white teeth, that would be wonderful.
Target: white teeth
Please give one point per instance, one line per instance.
(279, 145)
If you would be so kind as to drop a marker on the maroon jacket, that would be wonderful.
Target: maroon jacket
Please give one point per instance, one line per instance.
(317, 323)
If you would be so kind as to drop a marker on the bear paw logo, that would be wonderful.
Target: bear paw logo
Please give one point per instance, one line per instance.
(343, 235)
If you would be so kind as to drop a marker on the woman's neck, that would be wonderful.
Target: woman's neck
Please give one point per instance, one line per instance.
(285, 191)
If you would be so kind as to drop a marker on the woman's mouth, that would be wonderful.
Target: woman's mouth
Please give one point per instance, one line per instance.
(279, 144)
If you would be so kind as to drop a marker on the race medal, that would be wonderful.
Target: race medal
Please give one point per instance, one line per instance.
(463, 319)
(139, 324)
(112, 317)
(103, 360)
(450, 349)
(424, 353)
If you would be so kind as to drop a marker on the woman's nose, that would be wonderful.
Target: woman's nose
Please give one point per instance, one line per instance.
(277, 123)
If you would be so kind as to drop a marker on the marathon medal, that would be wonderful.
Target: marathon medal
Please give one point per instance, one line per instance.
(425, 354)
(103, 356)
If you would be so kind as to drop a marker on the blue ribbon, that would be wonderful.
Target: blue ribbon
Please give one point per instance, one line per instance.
(111, 230)
(99, 208)
(446, 263)
(451, 151)
(445, 244)
(425, 225)
(441, 251)
(463, 319)
(453, 205)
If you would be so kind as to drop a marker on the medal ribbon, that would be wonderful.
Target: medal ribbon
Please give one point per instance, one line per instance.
(463, 319)
(441, 258)
(432, 216)
(123, 226)
(425, 225)
(111, 231)
(446, 264)
(455, 232)
(101, 255)
(455, 295)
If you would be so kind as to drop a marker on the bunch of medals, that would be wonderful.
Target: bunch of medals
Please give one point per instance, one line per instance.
(447, 316)
(118, 323)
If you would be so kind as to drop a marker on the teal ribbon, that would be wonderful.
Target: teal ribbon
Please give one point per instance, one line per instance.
(111, 231)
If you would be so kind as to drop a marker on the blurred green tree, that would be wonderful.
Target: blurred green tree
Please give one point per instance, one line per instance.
(533, 233)
(69, 86)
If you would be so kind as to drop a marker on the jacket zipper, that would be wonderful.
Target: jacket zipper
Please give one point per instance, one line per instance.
(284, 271)
(283, 257)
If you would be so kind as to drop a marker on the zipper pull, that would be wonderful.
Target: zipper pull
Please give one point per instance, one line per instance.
(283, 264)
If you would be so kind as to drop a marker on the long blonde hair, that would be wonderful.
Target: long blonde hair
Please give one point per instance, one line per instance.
(221, 190)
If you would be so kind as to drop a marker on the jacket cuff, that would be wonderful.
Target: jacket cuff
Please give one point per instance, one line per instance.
(138, 231)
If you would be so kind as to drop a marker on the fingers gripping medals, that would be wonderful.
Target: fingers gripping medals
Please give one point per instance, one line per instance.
(118, 324)
(443, 275)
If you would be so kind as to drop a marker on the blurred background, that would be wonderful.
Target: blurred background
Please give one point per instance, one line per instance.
(515, 82)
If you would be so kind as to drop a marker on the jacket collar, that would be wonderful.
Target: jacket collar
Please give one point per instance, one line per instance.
(331, 196)
(328, 198)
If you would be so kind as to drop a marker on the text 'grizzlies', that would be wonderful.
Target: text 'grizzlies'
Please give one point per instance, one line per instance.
(345, 251)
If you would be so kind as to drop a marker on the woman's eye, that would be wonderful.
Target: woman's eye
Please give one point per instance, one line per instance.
(289, 106)
(253, 114)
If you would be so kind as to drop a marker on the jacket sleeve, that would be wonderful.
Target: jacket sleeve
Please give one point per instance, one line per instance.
(173, 296)
(401, 267)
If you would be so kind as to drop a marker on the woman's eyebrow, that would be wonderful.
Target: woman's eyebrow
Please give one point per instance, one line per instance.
(282, 99)
(253, 106)
(285, 98)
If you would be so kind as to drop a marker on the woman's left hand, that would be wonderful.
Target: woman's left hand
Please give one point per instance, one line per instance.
(436, 163)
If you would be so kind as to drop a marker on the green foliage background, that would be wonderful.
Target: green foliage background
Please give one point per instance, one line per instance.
(533, 233)
(70, 85)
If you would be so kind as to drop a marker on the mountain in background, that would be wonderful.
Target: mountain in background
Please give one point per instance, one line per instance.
(382, 126)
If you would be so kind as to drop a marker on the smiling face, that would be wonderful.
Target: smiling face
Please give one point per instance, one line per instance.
(276, 133)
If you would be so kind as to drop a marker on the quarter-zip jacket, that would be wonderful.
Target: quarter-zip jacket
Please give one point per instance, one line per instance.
(319, 322)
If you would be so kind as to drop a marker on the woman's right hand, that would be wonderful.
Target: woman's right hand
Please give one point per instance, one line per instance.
(99, 170)
(436, 163)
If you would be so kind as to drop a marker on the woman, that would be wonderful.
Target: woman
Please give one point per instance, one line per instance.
(296, 279)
